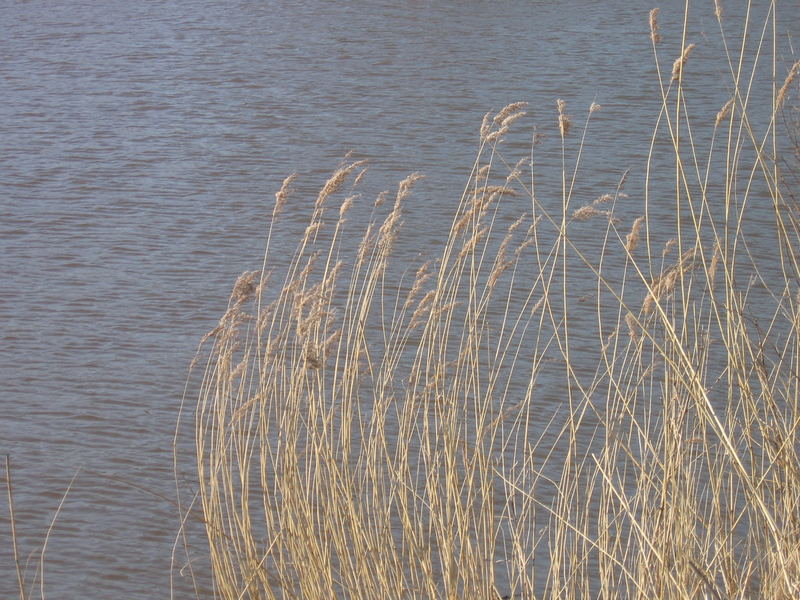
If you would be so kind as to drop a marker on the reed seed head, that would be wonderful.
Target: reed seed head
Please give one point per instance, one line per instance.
(712, 269)
(282, 194)
(486, 125)
(793, 72)
(381, 198)
(495, 136)
(346, 205)
(244, 288)
(723, 112)
(563, 118)
(624, 179)
(509, 110)
(360, 176)
(335, 182)
(632, 239)
(654, 35)
(584, 213)
(633, 326)
(680, 62)
(510, 119)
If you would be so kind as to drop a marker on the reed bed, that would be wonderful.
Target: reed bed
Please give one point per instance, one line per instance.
(528, 414)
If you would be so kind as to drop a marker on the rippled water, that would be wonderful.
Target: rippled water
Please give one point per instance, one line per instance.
(141, 143)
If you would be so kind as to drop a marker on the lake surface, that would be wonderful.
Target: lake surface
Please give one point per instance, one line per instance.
(141, 144)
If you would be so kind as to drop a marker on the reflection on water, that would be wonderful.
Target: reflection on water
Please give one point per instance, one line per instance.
(140, 145)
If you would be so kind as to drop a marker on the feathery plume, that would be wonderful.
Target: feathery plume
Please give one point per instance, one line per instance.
(680, 62)
(632, 239)
(486, 126)
(718, 9)
(381, 198)
(421, 277)
(483, 173)
(563, 118)
(496, 135)
(335, 182)
(604, 199)
(348, 202)
(244, 288)
(512, 117)
(788, 82)
(584, 213)
(723, 112)
(654, 35)
(360, 176)
(509, 110)
(712, 269)
(624, 179)
(633, 327)
(282, 194)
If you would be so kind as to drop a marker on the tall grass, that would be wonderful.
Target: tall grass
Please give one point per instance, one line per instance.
(528, 414)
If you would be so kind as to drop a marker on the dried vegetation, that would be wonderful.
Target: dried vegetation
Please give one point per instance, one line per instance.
(480, 429)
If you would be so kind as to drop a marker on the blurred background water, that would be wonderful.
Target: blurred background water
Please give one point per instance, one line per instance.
(141, 144)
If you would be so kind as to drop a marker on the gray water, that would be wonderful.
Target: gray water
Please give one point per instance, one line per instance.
(140, 145)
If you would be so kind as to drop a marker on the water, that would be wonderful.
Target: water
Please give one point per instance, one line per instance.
(140, 145)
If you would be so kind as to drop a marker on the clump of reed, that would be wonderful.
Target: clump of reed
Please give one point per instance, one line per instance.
(523, 416)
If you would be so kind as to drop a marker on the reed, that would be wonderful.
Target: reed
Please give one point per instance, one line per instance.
(526, 415)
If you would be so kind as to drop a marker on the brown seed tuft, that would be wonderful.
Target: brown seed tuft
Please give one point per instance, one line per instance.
(486, 125)
(632, 239)
(624, 179)
(723, 112)
(381, 198)
(712, 269)
(633, 326)
(282, 194)
(360, 176)
(718, 9)
(335, 182)
(509, 110)
(604, 199)
(563, 118)
(495, 136)
(680, 62)
(512, 118)
(654, 35)
(404, 189)
(346, 205)
(244, 288)
(793, 72)
(584, 213)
